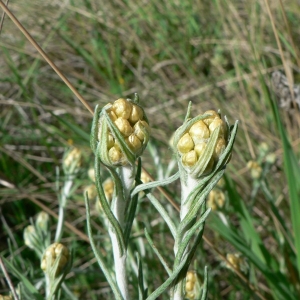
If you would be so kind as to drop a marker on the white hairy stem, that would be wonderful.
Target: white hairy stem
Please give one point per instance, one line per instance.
(186, 188)
(118, 209)
(62, 204)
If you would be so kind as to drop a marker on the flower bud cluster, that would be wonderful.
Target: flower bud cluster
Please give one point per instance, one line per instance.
(72, 160)
(53, 252)
(192, 285)
(192, 144)
(130, 120)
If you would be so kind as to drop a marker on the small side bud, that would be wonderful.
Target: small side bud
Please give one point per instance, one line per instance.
(42, 221)
(192, 285)
(30, 237)
(55, 259)
(72, 160)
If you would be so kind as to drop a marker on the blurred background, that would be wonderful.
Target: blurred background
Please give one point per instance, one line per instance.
(216, 54)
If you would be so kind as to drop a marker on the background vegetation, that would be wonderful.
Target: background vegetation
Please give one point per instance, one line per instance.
(217, 54)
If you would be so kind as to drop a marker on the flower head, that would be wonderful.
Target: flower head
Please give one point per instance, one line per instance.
(55, 259)
(72, 160)
(200, 142)
(120, 132)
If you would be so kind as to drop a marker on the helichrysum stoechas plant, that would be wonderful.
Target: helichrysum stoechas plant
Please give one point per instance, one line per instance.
(56, 262)
(203, 147)
(120, 133)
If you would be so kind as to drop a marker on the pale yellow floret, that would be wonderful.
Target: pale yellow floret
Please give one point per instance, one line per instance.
(134, 143)
(139, 129)
(112, 114)
(189, 159)
(185, 144)
(136, 114)
(124, 127)
(115, 155)
(218, 123)
(209, 120)
(189, 286)
(199, 132)
(110, 141)
(200, 148)
(122, 108)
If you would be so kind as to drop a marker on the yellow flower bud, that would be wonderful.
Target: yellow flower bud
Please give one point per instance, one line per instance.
(30, 236)
(139, 128)
(134, 143)
(219, 148)
(124, 127)
(122, 108)
(72, 160)
(189, 159)
(125, 134)
(189, 286)
(209, 120)
(53, 252)
(110, 141)
(199, 132)
(191, 276)
(91, 174)
(115, 156)
(185, 144)
(42, 221)
(136, 114)
(215, 124)
(112, 114)
(200, 148)
(190, 296)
